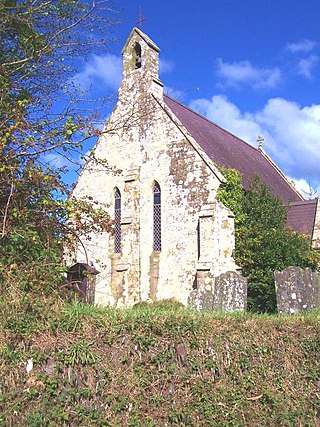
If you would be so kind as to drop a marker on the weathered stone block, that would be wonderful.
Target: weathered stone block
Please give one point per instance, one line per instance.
(297, 290)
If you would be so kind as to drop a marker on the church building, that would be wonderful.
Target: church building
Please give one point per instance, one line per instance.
(156, 168)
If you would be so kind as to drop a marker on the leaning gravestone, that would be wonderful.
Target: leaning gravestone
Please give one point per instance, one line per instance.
(228, 292)
(297, 290)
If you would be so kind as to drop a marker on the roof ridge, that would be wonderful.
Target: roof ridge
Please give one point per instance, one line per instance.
(213, 123)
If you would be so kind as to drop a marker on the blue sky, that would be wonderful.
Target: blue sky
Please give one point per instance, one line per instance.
(252, 67)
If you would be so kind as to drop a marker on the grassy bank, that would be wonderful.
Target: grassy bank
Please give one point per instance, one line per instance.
(158, 365)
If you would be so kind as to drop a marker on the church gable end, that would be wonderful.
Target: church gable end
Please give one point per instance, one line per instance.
(171, 236)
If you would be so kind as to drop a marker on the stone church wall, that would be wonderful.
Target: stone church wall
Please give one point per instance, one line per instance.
(142, 144)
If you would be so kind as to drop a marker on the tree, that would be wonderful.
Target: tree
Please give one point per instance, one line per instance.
(263, 242)
(39, 43)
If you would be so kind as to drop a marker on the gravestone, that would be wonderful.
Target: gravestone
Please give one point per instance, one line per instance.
(230, 292)
(297, 290)
(201, 299)
(227, 292)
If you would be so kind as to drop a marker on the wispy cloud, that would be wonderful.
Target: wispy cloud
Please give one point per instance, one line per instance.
(165, 66)
(291, 132)
(244, 73)
(307, 61)
(307, 65)
(303, 46)
(56, 160)
(102, 69)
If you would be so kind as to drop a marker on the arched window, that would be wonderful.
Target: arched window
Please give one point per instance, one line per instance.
(156, 217)
(117, 221)
(137, 55)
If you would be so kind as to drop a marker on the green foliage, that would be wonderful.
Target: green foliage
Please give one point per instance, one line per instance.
(231, 194)
(38, 42)
(263, 242)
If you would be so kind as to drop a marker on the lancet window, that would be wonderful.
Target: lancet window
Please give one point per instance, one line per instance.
(156, 217)
(117, 221)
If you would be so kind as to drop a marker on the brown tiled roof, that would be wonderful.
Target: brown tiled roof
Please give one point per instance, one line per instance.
(228, 150)
(301, 216)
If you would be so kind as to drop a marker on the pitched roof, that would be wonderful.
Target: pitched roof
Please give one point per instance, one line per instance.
(301, 216)
(225, 149)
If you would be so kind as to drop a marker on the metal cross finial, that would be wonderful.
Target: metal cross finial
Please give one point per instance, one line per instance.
(260, 140)
(141, 19)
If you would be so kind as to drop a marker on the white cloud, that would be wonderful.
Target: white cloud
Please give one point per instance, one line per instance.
(306, 66)
(244, 73)
(307, 189)
(105, 69)
(303, 46)
(223, 112)
(165, 66)
(291, 133)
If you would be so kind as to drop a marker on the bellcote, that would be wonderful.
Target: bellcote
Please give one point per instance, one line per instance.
(141, 64)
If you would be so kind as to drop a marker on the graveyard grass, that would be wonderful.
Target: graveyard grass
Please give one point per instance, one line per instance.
(157, 365)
